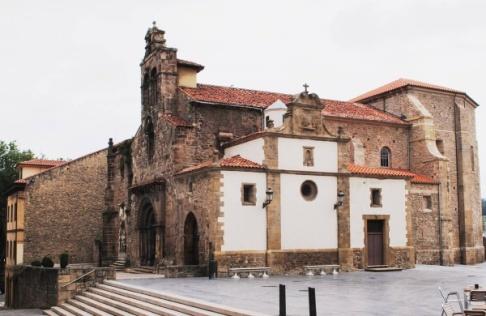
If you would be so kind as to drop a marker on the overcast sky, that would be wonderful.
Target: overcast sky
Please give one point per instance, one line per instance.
(69, 70)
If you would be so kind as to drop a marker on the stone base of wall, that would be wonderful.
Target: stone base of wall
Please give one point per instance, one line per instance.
(280, 261)
(239, 259)
(293, 261)
(428, 256)
(401, 257)
(473, 255)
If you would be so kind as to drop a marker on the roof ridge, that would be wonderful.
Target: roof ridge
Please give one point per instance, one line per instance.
(246, 89)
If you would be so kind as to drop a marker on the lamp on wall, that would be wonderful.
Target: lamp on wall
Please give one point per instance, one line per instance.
(269, 197)
(340, 200)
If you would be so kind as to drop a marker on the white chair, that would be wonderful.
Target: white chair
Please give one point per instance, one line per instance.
(446, 296)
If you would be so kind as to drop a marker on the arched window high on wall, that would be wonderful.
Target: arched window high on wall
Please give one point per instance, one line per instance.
(145, 90)
(150, 135)
(385, 157)
(153, 86)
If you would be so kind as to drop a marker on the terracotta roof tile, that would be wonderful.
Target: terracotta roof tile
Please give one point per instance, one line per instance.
(239, 162)
(41, 163)
(358, 111)
(235, 96)
(176, 121)
(262, 99)
(390, 172)
(400, 83)
(230, 162)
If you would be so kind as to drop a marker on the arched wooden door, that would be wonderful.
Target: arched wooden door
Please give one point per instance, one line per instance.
(147, 236)
(191, 241)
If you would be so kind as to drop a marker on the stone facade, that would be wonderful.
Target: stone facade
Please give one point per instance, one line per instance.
(63, 208)
(443, 145)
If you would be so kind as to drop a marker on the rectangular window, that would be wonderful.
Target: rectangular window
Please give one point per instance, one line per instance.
(189, 184)
(427, 202)
(15, 213)
(248, 192)
(472, 158)
(375, 198)
(8, 213)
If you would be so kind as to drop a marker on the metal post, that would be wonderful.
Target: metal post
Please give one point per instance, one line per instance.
(312, 302)
(282, 303)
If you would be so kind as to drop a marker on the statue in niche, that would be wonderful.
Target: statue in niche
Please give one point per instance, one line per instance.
(309, 156)
(122, 235)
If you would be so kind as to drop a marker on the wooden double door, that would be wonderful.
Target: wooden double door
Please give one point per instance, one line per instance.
(375, 242)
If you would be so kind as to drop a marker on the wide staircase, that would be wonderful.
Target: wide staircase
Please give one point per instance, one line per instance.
(115, 298)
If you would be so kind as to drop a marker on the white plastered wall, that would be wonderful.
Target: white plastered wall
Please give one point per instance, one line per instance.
(275, 112)
(244, 226)
(291, 154)
(251, 150)
(393, 193)
(308, 224)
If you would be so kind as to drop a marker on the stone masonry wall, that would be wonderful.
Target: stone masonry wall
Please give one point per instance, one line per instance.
(63, 209)
(454, 124)
(373, 137)
(426, 225)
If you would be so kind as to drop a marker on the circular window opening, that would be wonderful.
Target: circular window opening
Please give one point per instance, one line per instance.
(308, 189)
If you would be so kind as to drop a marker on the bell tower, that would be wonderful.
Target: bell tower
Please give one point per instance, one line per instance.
(158, 75)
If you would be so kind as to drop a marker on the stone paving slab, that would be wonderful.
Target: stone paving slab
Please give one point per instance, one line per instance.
(408, 292)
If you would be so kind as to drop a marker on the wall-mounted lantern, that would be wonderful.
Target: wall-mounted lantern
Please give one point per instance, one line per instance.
(269, 197)
(340, 200)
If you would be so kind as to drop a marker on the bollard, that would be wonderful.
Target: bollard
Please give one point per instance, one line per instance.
(281, 300)
(312, 302)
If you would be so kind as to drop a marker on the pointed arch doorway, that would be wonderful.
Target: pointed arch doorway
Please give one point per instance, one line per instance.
(147, 236)
(191, 240)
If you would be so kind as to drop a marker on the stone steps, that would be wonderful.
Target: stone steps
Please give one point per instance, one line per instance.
(149, 301)
(114, 298)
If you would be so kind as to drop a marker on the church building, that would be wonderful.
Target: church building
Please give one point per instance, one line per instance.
(251, 178)
(254, 178)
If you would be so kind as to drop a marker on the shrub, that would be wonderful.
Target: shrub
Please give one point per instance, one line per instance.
(64, 259)
(47, 262)
(36, 263)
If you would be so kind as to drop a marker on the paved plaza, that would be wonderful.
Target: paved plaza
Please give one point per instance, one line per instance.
(409, 292)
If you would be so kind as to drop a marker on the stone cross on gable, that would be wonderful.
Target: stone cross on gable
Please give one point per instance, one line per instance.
(305, 85)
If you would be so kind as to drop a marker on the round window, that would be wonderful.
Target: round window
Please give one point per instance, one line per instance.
(308, 189)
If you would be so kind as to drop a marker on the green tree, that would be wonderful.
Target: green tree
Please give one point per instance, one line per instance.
(10, 156)
(483, 205)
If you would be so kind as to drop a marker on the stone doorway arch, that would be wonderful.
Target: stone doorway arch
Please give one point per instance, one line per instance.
(191, 240)
(147, 235)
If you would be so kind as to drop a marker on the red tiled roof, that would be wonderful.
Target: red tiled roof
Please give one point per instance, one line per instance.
(230, 162)
(234, 96)
(358, 111)
(176, 121)
(390, 172)
(192, 64)
(400, 83)
(262, 99)
(42, 163)
(239, 162)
